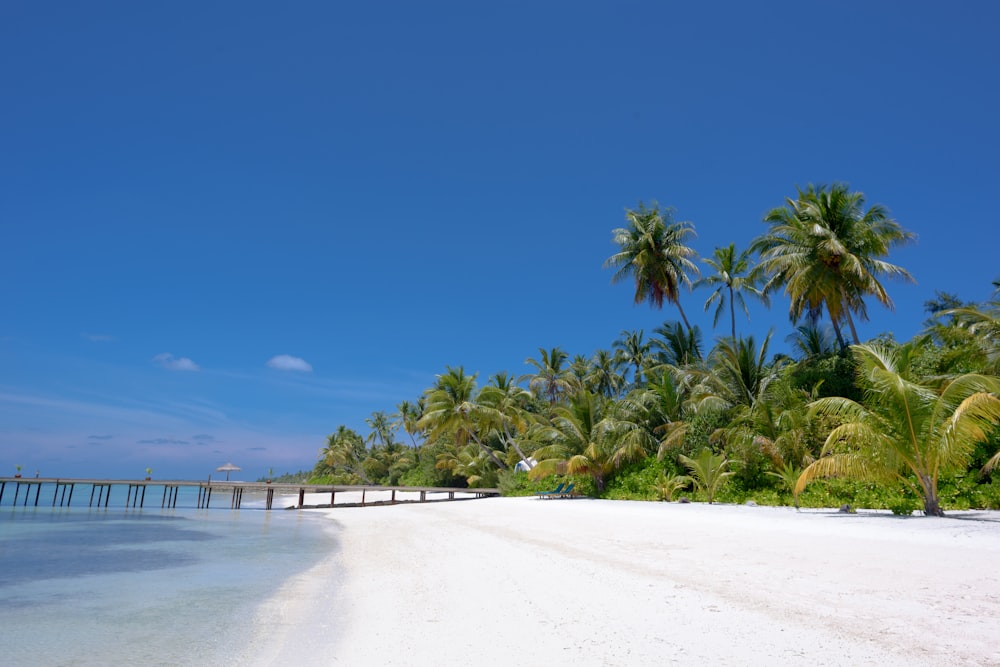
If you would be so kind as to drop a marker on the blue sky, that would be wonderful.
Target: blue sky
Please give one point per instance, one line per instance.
(228, 228)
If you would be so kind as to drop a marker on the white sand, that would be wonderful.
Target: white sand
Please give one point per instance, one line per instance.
(521, 581)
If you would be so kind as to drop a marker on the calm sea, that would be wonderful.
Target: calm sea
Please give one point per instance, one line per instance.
(116, 586)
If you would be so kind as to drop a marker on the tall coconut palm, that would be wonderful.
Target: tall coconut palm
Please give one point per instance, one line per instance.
(904, 430)
(652, 251)
(552, 379)
(408, 416)
(826, 250)
(604, 377)
(451, 409)
(734, 276)
(383, 428)
(633, 351)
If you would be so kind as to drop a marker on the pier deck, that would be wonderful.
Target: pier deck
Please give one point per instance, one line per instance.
(29, 491)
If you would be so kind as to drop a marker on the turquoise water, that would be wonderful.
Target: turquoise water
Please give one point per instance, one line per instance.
(116, 586)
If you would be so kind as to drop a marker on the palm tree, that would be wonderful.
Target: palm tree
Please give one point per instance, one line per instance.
(552, 380)
(634, 351)
(383, 428)
(826, 250)
(651, 250)
(451, 409)
(740, 373)
(408, 415)
(708, 471)
(504, 406)
(676, 346)
(732, 278)
(585, 438)
(812, 340)
(604, 377)
(345, 451)
(905, 430)
(983, 322)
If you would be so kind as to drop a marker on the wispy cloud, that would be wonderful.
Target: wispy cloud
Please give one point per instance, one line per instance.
(98, 338)
(161, 441)
(170, 362)
(285, 362)
(99, 437)
(203, 438)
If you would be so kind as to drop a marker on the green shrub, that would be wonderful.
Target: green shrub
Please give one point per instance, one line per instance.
(635, 481)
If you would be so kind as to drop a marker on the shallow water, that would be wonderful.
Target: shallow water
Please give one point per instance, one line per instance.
(88, 586)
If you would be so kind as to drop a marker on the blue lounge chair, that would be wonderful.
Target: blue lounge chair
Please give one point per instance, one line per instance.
(549, 494)
(567, 492)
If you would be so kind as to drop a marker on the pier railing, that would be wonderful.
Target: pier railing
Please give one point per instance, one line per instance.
(135, 493)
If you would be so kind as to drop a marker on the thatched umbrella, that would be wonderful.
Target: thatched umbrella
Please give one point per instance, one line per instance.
(228, 468)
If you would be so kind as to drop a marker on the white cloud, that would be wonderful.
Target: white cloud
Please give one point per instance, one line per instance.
(170, 362)
(285, 362)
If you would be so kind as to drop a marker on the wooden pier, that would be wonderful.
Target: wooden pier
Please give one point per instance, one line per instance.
(135, 493)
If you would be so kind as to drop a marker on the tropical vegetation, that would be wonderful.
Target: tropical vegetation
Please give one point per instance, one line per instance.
(662, 415)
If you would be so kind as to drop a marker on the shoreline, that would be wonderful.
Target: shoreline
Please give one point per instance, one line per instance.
(597, 582)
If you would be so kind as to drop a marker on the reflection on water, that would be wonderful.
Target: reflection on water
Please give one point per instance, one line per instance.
(87, 586)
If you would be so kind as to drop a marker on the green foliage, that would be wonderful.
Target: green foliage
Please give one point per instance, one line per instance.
(300, 477)
(517, 483)
(708, 472)
(833, 373)
(749, 462)
(637, 481)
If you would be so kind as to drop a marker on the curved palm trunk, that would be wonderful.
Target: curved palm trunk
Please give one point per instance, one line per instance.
(683, 316)
(836, 330)
(850, 320)
(489, 452)
(732, 311)
(513, 443)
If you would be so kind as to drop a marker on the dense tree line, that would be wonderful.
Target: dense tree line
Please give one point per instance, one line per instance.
(912, 423)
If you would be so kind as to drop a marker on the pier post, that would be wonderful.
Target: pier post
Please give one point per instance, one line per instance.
(302, 498)
(38, 492)
(270, 498)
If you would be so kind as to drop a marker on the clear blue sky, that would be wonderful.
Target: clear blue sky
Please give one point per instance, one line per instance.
(378, 190)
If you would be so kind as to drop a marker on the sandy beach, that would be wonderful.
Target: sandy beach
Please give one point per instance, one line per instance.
(525, 581)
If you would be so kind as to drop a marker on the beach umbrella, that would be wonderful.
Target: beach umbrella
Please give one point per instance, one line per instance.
(228, 468)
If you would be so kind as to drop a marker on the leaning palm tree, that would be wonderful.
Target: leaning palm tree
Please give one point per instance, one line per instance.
(826, 250)
(734, 276)
(451, 409)
(904, 430)
(652, 251)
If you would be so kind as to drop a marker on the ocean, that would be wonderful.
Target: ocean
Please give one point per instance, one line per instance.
(94, 586)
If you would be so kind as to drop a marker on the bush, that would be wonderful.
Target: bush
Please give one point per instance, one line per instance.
(637, 481)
